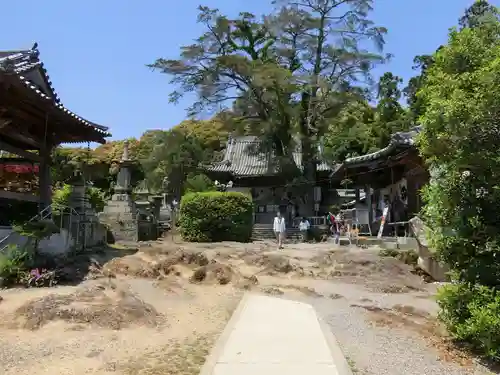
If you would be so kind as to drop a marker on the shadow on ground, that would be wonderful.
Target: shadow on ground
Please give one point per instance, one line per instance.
(77, 268)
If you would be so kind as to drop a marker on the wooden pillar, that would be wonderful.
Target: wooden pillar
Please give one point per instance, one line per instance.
(368, 199)
(45, 181)
(358, 195)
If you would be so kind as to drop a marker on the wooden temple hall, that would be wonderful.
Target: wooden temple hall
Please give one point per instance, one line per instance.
(33, 121)
(391, 177)
(254, 171)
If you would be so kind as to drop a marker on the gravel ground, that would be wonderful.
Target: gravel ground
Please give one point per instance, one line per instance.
(381, 312)
(382, 350)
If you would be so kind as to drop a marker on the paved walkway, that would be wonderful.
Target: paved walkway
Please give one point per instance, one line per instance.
(275, 336)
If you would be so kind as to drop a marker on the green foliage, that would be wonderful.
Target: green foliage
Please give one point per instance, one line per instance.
(197, 183)
(175, 155)
(390, 117)
(350, 132)
(472, 314)
(460, 143)
(61, 199)
(216, 216)
(38, 230)
(416, 104)
(479, 14)
(97, 198)
(13, 261)
(286, 73)
(37, 278)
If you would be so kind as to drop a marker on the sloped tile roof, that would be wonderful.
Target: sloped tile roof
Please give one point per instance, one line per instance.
(27, 67)
(243, 158)
(398, 140)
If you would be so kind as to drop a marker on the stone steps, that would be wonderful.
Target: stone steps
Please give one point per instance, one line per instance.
(265, 232)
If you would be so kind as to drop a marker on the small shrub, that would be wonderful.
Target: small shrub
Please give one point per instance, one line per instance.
(216, 216)
(38, 230)
(61, 199)
(37, 278)
(472, 314)
(12, 262)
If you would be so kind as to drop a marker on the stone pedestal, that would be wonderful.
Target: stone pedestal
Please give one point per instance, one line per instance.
(119, 216)
(120, 212)
(84, 225)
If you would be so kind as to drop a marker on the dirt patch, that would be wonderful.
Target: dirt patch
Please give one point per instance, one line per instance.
(184, 358)
(272, 291)
(270, 263)
(379, 274)
(310, 292)
(213, 273)
(104, 306)
(423, 324)
(409, 257)
(394, 288)
(247, 282)
(154, 263)
(335, 296)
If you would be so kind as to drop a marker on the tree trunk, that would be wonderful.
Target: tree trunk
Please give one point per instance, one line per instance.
(309, 173)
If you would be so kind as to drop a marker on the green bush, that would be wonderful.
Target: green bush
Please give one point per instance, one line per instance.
(13, 261)
(216, 216)
(61, 199)
(472, 314)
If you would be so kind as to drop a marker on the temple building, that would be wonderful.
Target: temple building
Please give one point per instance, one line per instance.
(253, 171)
(391, 177)
(33, 121)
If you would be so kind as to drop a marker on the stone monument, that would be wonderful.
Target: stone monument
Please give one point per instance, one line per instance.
(120, 212)
(84, 223)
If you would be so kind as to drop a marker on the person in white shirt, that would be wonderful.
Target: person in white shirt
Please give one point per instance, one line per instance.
(279, 228)
(304, 228)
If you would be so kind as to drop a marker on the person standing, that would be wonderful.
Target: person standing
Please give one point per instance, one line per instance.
(279, 228)
(304, 226)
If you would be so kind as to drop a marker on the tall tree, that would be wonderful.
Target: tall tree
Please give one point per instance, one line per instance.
(416, 105)
(175, 155)
(479, 13)
(292, 69)
(460, 143)
(390, 117)
(350, 132)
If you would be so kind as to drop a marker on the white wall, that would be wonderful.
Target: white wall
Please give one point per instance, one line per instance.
(58, 243)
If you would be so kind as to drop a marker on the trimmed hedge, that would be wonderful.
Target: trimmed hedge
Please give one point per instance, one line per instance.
(216, 216)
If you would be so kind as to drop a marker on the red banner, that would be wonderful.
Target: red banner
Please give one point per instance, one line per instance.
(19, 168)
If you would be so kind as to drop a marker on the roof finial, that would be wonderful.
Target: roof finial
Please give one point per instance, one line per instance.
(125, 151)
(35, 46)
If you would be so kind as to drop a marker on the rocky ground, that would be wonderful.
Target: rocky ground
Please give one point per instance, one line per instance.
(160, 309)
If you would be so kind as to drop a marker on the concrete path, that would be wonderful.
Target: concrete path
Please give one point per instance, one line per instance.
(275, 336)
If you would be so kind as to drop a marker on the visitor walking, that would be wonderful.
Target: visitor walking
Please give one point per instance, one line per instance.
(304, 226)
(279, 228)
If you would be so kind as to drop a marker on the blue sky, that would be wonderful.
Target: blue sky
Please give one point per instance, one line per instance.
(95, 51)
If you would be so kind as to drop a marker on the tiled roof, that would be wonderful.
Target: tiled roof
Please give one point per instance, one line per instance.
(27, 67)
(398, 140)
(243, 158)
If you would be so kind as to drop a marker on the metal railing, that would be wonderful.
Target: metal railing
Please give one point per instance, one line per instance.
(313, 221)
(47, 212)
